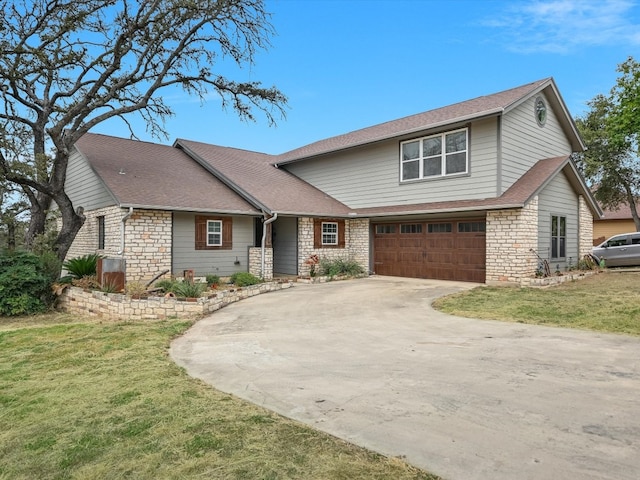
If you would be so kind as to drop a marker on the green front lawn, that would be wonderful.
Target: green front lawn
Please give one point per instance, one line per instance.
(90, 400)
(608, 302)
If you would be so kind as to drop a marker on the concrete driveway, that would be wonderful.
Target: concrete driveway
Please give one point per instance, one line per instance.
(369, 361)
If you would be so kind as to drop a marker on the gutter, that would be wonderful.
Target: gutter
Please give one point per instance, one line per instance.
(267, 221)
(124, 220)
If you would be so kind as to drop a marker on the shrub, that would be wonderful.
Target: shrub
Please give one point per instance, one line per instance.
(339, 266)
(135, 288)
(189, 289)
(84, 266)
(88, 282)
(25, 284)
(213, 280)
(244, 279)
(167, 285)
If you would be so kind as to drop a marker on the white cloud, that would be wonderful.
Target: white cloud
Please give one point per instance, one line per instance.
(562, 26)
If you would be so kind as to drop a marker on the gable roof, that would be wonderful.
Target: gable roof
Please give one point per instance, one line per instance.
(147, 175)
(480, 107)
(253, 175)
(517, 196)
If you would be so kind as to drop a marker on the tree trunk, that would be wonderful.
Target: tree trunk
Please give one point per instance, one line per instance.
(40, 205)
(11, 235)
(71, 223)
(631, 201)
(634, 215)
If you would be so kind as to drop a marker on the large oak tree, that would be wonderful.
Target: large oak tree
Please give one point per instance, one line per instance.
(67, 66)
(611, 131)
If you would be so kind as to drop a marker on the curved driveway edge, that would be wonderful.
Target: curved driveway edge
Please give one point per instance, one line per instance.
(371, 362)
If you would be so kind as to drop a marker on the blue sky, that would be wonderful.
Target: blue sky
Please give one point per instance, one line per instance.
(349, 64)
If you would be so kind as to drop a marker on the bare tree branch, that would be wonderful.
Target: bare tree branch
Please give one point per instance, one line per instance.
(69, 65)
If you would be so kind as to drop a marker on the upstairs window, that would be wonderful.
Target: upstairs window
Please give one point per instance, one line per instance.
(434, 156)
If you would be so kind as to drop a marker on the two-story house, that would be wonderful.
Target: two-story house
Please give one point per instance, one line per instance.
(477, 191)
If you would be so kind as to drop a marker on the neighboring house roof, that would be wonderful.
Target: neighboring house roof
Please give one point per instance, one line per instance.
(147, 175)
(517, 196)
(485, 106)
(253, 175)
(622, 212)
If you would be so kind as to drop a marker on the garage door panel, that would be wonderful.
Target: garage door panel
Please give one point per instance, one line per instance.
(445, 255)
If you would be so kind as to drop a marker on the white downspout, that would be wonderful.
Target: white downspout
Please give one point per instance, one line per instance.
(264, 238)
(124, 220)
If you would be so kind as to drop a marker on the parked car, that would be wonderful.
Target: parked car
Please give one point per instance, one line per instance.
(619, 250)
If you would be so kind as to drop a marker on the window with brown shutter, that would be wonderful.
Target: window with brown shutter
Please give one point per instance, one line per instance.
(324, 234)
(208, 233)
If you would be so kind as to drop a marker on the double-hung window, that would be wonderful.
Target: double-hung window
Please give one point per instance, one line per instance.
(558, 236)
(329, 233)
(434, 156)
(214, 233)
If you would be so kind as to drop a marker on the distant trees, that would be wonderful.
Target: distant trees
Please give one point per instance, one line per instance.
(611, 131)
(69, 65)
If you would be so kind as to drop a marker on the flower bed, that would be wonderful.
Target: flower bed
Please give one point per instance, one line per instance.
(117, 306)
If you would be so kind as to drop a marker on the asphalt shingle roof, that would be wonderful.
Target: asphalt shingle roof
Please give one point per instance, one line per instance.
(157, 176)
(474, 108)
(516, 196)
(274, 188)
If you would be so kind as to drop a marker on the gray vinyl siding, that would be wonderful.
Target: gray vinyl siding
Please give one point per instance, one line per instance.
(558, 198)
(285, 246)
(204, 262)
(83, 186)
(524, 142)
(370, 176)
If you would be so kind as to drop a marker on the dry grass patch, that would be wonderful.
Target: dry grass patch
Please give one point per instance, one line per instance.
(608, 302)
(91, 400)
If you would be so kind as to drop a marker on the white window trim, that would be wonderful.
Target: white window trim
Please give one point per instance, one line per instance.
(334, 234)
(443, 156)
(209, 244)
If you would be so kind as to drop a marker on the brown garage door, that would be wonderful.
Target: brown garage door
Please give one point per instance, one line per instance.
(443, 249)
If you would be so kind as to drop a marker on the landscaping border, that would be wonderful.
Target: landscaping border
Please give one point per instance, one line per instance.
(117, 306)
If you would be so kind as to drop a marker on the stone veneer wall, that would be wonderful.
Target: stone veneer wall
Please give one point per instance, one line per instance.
(147, 248)
(86, 241)
(356, 244)
(585, 227)
(255, 262)
(511, 234)
(115, 306)
(147, 240)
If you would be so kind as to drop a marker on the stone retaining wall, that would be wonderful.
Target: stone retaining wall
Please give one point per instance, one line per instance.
(117, 306)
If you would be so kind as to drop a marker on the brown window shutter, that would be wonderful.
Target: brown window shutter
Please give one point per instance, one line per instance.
(201, 232)
(317, 233)
(227, 233)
